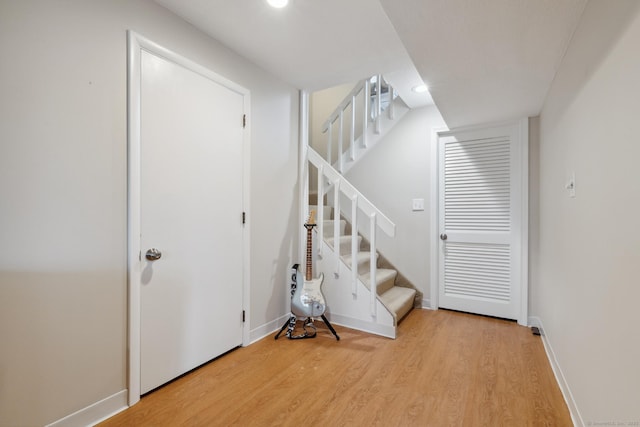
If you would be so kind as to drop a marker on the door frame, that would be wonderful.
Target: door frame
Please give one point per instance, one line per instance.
(523, 134)
(136, 44)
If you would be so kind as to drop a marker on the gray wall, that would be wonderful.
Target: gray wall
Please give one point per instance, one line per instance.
(586, 288)
(63, 121)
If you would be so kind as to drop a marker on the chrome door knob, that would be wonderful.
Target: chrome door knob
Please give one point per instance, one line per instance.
(153, 254)
(443, 236)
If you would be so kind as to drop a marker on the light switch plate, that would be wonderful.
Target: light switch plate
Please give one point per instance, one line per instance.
(418, 204)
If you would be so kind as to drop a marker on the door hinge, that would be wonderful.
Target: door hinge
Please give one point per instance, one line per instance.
(244, 121)
(243, 316)
(244, 217)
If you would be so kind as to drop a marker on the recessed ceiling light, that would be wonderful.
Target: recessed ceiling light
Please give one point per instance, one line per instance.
(420, 89)
(278, 3)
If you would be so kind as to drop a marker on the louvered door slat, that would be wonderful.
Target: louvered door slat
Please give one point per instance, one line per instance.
(463, 278)
(486, 171)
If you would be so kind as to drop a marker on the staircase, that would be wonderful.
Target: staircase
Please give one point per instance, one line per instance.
(362, 289)
(397, 300)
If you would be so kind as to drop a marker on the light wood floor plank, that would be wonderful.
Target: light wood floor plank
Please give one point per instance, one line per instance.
(444, 369)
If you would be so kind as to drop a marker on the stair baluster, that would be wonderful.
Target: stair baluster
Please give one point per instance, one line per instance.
(336, 226)
(320, 204)
(372, 264)
(352, 133)
(340, 142)
(365, 118)
(378, 103)
(354, 245)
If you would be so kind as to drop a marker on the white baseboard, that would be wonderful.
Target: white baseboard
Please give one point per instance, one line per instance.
(363, 325)
(268, 328)
(426, 304)
(95, 413)
(535, 322)
(576, 417)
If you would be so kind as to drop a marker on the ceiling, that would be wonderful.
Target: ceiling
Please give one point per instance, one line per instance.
(484, 61)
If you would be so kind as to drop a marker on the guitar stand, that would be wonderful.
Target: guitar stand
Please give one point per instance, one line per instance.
(309, 328)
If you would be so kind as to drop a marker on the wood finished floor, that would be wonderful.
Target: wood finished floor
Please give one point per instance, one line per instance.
(444, 369)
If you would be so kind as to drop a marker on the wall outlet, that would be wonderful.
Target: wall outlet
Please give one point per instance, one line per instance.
(418, 204)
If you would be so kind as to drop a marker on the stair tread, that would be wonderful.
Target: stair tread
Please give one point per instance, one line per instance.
(398, 291)
(363, 256)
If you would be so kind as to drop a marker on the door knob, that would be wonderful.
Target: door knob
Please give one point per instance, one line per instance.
(443, 236)
(153, 254)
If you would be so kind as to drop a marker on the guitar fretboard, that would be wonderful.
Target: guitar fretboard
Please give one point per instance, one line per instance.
(309, 271)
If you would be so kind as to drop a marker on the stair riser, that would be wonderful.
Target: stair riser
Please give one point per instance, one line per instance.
(345, 245)
(328, 212)
(364, 262)
(399, 301)
(385, 286)
(328, 228)
(363, 267)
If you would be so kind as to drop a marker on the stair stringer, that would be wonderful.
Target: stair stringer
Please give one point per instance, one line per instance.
(346, 309)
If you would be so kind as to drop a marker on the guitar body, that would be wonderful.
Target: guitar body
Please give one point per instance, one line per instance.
(307, 300)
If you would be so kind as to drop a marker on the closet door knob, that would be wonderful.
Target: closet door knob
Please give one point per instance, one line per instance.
(153, 254)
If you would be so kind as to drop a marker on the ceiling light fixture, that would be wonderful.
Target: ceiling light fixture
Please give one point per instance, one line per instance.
(278, 3)
(420, 88)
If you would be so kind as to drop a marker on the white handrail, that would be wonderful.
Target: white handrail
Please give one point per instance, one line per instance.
(346, 188)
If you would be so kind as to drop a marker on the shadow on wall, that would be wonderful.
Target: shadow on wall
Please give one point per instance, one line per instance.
(281, 264)
(614, 22)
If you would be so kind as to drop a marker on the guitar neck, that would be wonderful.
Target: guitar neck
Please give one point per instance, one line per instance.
(309, 271)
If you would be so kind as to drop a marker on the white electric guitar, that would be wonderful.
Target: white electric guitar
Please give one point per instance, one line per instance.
(307, 300)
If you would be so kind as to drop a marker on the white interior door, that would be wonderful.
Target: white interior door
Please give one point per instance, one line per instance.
(191, 196)
(481, 227)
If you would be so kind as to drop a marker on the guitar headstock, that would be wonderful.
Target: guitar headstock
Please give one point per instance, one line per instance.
(311, 222)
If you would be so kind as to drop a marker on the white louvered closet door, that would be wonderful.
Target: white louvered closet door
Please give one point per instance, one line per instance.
(479, 221)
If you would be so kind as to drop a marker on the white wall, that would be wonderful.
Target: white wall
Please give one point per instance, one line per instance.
(321, 104)
(391, 174)
(587, 285)
(63, 188)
